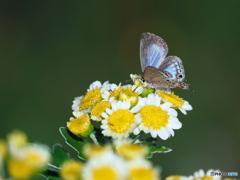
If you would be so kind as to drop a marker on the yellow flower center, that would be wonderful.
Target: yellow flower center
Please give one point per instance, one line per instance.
(141, 173)
(104, 173)
(90, 98)
(80, 125)
(120, 121)
(131, 151)
(71, 170)
(20, 169)
(154, 117)
(172, 98)
(100, 107)
(35, 159)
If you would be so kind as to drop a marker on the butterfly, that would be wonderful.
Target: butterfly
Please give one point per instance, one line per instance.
(159, 70)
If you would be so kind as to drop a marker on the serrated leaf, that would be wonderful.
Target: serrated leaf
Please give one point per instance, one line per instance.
(73, 141)
(59, 156)
(153, 149)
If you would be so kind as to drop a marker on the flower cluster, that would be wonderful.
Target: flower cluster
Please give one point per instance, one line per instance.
(22, 159)
(127, 110)
(122, 161)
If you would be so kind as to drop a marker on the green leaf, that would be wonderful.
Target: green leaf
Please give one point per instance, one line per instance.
(153, 149)
(59, 156)
(73, 141)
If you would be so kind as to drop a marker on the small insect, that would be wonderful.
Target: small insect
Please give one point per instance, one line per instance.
(159, 70)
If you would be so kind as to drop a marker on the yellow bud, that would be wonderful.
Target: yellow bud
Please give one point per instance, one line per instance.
(81, 126)
(128, 95)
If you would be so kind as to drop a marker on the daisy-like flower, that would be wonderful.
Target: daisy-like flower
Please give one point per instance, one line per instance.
(71, 170)
(209, 175)
(108, 167)
(141, 169)
(116, 91)
(93, 150)
(175, 100)
(157, 119)
(29, 160)
(98, 109)
(129, 151)
(120, 120)
(81, 125)
(93, 95)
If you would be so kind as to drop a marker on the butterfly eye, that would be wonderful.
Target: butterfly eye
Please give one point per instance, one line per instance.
(179, 76)
(143, 80)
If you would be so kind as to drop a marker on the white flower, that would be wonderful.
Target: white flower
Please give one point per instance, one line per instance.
(120, 120)
(157, 119)
(175, 100)
(142, 169)
(34, 154)
(108, 167)
(93, 95)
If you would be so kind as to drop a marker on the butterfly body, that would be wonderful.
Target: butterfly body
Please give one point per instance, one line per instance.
(153, 77)
(159, 71)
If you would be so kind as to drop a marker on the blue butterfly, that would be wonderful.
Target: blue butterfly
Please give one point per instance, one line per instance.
(159, 70)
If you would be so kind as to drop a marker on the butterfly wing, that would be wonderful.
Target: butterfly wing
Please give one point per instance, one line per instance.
(174, 66)
(153, 50)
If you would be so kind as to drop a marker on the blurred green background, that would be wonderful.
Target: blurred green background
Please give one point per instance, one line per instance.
(50, 51)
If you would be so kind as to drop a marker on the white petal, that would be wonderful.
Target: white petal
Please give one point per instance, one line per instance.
(104, 115)
(136, 131)
(109, 111)
(166, 106)
(183, 111)
(153, 133)
(175, 124)
(163, 134)
(172, 112)
(114, 106)
(169, 130)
